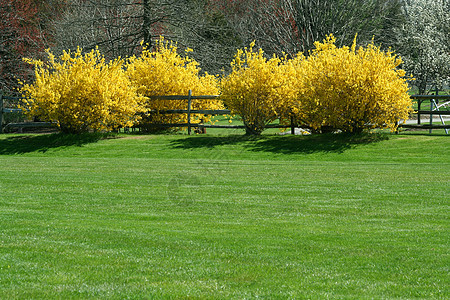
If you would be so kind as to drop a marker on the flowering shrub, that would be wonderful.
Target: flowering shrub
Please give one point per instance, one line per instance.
(351, 89)
(164, 72)
(258, 89)
(81, 92)
(334, 88)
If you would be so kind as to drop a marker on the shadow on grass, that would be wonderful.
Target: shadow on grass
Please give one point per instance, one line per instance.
(20, 144)
(337, 143)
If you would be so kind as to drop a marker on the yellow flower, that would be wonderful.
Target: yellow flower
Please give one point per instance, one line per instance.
(259, 89)
(81, 92)
(164, 72)
(351, 89)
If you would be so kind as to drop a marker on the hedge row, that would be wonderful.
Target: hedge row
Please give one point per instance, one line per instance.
(346, 88)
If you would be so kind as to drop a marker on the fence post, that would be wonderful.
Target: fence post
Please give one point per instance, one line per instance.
(431, 115)
(419, 107)
(189, 112)
(1, 113)
(292, 125)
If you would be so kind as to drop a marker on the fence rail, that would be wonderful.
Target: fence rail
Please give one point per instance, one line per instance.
(6, 110)
(19, 125)
(437, 102)
(435, 108)
(190, 111)
(434, 100)
(187, 111)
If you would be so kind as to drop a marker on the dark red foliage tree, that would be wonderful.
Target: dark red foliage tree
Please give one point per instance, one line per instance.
(20, 36)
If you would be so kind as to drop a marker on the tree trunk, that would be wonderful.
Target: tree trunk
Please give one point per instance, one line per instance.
(147, 22)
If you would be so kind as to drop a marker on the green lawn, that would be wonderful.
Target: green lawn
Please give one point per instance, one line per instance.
(224, 216)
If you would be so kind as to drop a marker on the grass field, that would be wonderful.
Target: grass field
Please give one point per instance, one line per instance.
(224, 216)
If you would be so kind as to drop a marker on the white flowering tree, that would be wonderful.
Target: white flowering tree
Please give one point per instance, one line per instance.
(424, 42)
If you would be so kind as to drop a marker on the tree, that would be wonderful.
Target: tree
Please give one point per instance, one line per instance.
(20, 36)
(292, 26)
(116, 26)
(206, 29)
(424, 42)
(25, 31)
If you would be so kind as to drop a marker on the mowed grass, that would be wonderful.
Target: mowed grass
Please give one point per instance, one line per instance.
(224, 216)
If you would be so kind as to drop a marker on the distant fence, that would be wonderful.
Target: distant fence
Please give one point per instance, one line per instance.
(189, 111)
(18, 125)
(189, 125)
(438, 105)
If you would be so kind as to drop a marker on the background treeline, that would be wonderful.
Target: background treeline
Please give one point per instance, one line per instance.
(418, 30)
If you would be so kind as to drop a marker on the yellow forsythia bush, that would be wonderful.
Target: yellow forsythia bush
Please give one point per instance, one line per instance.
(164, 72)
(258, 89)
(351, 89)
(81, 92)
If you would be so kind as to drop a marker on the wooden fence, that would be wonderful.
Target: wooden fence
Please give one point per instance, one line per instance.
(437, 103)
(189, 125)
(19, 125)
